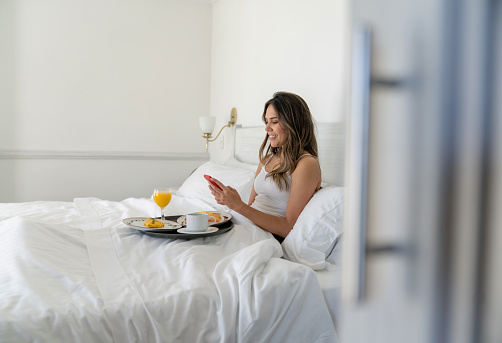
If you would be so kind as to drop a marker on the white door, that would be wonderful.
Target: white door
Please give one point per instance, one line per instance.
(415, 176)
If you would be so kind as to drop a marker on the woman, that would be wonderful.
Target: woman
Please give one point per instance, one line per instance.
(289, 172)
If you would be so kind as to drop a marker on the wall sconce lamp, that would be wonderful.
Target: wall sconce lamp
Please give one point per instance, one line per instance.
(207, 126)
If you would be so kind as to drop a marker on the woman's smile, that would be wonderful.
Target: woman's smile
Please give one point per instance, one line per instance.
(276, 134)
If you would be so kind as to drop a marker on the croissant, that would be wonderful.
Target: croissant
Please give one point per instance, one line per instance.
(152, 222)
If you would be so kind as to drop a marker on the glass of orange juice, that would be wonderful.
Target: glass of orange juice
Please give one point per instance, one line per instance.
(162, 197)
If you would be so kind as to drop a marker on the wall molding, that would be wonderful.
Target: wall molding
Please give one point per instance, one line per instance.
(101, 155)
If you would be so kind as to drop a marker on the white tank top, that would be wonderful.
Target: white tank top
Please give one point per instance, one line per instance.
(270, 199)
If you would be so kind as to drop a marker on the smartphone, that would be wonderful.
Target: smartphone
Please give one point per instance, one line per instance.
(208, 178)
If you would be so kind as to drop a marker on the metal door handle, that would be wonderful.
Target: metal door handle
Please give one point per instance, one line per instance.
(355, 268)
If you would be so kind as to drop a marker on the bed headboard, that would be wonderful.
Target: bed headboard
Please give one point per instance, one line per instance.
(330, 141)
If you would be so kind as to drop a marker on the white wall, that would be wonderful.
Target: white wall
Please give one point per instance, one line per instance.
(95, 76)
(107, 75)
(263, 46)
(109, 178)
(85, 79)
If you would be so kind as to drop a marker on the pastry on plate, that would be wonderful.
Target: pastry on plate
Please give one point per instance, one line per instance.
(153, 223)
(213, 217)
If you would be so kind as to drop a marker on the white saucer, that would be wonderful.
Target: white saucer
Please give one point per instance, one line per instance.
(211, 229)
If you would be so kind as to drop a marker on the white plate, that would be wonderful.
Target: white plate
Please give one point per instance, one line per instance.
(225, 217)
(139, 223)
(211, 229)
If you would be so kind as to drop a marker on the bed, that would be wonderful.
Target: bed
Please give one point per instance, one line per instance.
(75, 272)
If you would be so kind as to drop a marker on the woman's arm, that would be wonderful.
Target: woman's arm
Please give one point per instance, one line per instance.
(305, 180)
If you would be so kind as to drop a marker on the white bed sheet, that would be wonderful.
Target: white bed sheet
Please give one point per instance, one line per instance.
(74, 272)
(331, 285)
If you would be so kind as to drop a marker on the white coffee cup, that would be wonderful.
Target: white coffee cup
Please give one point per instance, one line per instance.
(197, 222)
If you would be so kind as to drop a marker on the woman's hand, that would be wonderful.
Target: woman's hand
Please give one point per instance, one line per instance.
(227, 195)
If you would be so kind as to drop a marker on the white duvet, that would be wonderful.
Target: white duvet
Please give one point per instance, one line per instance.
(73, 272)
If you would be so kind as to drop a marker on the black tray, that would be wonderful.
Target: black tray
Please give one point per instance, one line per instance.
(173, 234)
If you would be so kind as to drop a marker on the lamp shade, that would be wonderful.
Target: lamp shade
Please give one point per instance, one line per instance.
(207, 124)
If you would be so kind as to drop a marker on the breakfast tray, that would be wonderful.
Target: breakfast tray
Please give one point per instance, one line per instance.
(222, 228)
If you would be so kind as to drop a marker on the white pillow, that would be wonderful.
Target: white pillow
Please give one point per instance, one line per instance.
(195, 186)
(317, 229)
(232, 162)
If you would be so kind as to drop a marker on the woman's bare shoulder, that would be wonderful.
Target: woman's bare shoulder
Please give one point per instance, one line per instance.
(307, 164)
(307, 175)
(307, 161)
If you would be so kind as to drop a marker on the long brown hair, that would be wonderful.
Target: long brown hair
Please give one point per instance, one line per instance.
(294, 117)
